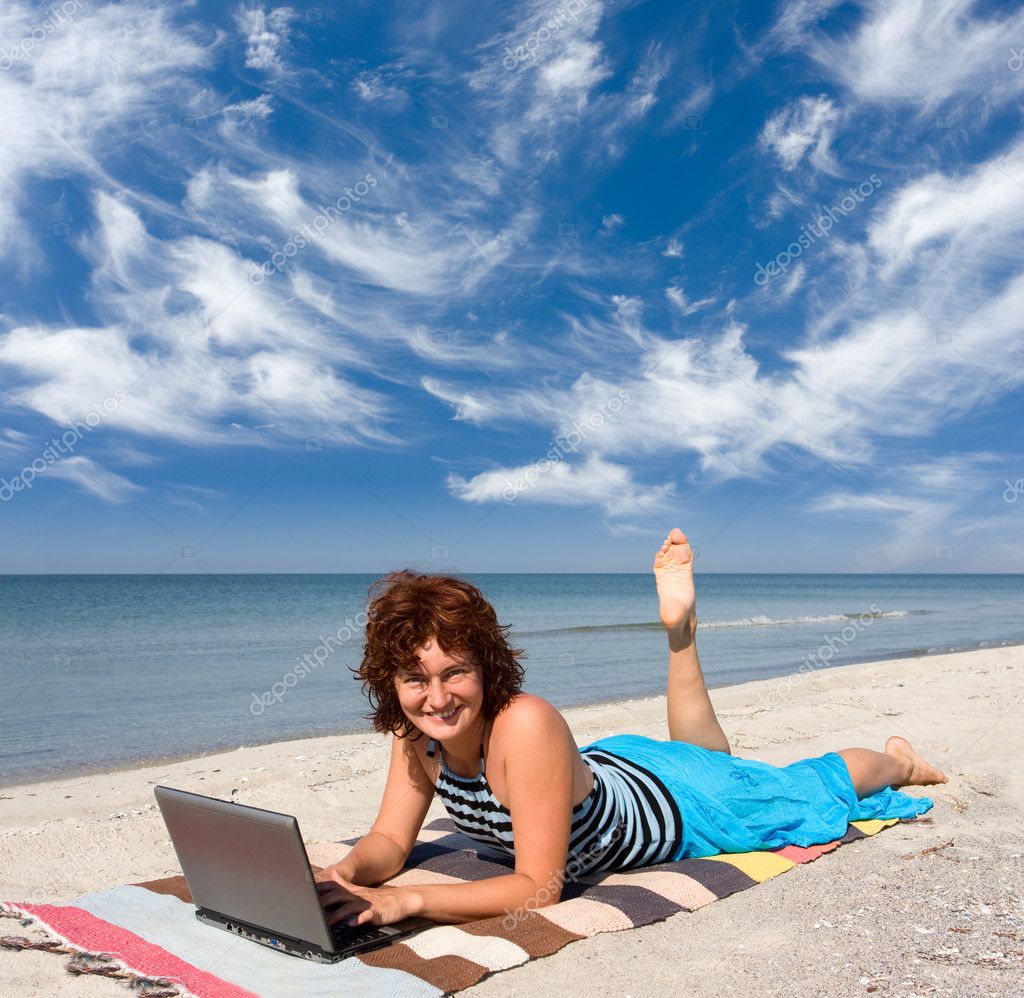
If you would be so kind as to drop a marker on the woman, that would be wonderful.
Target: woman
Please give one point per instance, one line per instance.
(442, 678)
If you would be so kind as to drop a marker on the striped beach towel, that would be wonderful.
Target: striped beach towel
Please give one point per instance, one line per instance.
(148, 932)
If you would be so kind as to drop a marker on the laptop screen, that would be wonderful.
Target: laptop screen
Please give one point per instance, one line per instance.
(245, 863)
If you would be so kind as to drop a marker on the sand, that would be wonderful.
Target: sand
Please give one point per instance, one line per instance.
(928, 908)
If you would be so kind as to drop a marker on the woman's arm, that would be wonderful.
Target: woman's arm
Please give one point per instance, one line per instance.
(382, 852)
(539, 781)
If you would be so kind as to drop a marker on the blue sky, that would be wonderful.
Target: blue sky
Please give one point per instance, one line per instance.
(511, 287)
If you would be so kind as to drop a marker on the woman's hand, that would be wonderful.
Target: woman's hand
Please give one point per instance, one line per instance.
(353, 905)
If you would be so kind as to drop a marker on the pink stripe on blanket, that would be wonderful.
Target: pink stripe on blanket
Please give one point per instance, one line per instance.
(86, 932)
(801, 854)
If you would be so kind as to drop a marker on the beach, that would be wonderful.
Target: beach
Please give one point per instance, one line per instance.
(933, 907)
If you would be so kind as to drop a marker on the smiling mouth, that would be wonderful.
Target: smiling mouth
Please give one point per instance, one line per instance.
(447, 715)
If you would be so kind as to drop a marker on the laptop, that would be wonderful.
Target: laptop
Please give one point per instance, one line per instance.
(248, 873)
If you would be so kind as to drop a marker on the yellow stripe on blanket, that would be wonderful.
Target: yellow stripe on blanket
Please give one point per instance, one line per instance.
(759, 866)
(872, 826)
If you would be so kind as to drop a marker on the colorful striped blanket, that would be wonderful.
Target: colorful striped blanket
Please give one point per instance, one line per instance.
(148, 932)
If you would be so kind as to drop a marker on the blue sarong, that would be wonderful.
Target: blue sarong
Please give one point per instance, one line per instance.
(740, 805)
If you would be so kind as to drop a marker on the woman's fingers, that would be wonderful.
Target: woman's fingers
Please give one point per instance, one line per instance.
(357, 911)
(332, 894)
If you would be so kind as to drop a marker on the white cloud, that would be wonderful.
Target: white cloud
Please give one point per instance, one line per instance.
(534, 80)
(571, 75)
(925, 52)
(117, 73)
(467, 406)
(982, 207)
(610, 223)
(808, 124)
(591, 482)
(193, 344)
(794, 20)
(678, 297)
(265, 35)
(623, 111)
(693, 105)
(94, 479)
(628, 313)
(483, 408)
(372, 86)
(925, 320)
(258, 107)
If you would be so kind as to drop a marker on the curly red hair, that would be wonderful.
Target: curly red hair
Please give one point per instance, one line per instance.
(406, 608)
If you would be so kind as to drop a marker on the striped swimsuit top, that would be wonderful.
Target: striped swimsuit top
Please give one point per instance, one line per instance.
(628, 819)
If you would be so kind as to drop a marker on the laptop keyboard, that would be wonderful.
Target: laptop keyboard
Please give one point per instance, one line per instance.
(351, 935)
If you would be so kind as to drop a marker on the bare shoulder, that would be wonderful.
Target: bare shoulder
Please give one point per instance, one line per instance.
(529, 716)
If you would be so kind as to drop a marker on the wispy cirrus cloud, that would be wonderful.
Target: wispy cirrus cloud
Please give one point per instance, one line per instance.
(924, 51)
(534, 79)
(920, 507)
(890, 361)
(93, 86)
(98, 481)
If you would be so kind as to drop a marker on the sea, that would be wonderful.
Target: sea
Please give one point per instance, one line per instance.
(106, 671)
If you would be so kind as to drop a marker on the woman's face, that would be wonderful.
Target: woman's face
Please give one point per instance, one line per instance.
(444, 698)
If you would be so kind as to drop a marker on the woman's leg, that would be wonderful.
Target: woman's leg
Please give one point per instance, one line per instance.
(691, 716)
(898, 766)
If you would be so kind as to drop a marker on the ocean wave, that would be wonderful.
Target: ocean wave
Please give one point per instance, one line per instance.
(761, 620)
(829, 618)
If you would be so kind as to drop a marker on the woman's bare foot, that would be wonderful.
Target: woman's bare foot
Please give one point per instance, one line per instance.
(922, 774)
(673, 574)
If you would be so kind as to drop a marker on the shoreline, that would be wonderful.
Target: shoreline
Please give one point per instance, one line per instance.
(197, 756)
(928, 907)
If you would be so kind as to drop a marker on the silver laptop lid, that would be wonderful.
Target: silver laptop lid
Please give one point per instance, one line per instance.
(245, 863)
